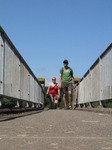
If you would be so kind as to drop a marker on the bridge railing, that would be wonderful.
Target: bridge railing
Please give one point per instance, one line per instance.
(96, 84)
(17, 80)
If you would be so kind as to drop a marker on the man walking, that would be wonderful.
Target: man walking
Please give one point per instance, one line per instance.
(66, 82)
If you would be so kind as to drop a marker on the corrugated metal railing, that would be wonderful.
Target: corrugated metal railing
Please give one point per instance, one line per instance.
(17, 81)
(96, 84)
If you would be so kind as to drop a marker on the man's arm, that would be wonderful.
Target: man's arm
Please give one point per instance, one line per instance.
(60, 81)
(73, 81)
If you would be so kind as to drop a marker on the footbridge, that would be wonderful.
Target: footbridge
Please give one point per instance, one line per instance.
(18, 82)
(54, 129)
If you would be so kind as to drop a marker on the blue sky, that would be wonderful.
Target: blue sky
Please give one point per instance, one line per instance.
(46, 32)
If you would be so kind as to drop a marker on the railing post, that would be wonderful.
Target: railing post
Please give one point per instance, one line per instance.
(84, 105)
(27, 104)
(80, 106)
(90, 105)
(1, 101)
(17, 104)
(101, 104)
(33, 105)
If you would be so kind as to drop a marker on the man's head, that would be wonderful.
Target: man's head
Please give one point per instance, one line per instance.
(65, 62)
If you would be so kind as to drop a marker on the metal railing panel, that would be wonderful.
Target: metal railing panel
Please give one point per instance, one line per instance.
(75, 95)
(32, 96)
(1, 63)
(25, 79)
(111, 73)
(16, 77)
(95, 83)
(17, 80)
(106, 75)
(36, 93)
(42, 98)
(39, 94)
(81, 92)
(87, 91)
(8, 90)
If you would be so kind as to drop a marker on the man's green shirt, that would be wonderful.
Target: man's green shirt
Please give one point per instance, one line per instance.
(66, 74)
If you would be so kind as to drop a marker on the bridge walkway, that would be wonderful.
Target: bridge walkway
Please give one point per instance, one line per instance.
(57, 130)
